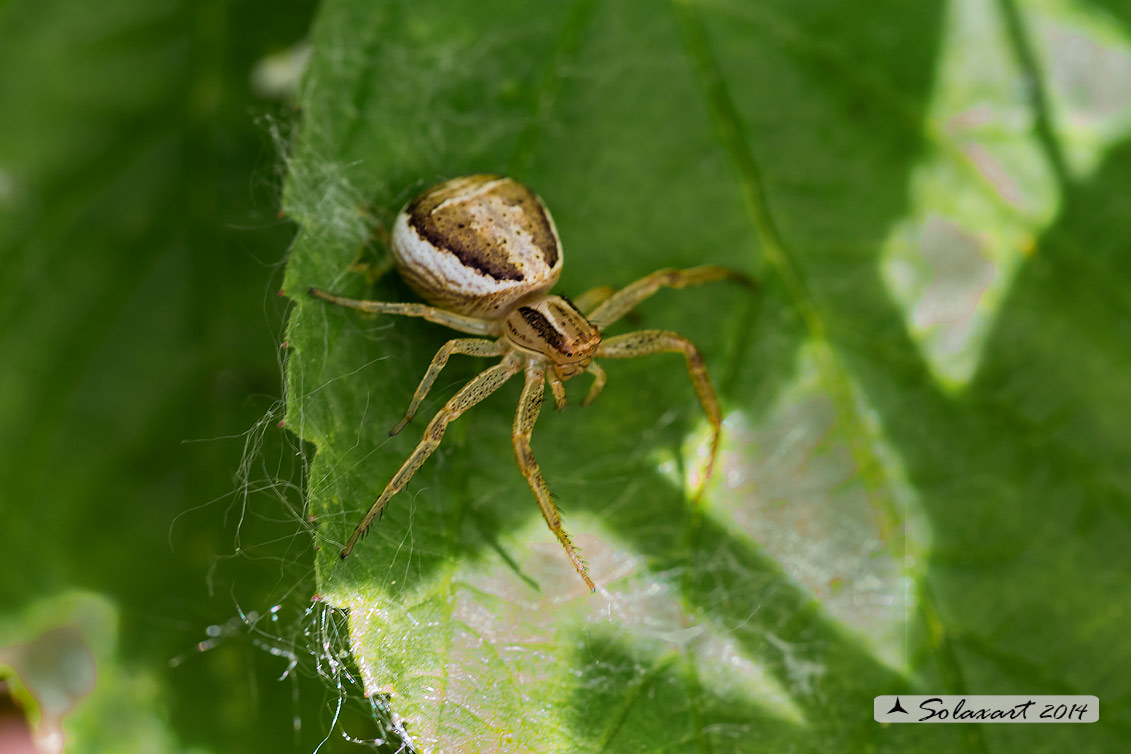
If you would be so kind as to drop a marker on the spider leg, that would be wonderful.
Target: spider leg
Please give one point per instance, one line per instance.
(593, 297)
(599, 379)
(627, 298)
(460, 322)
(465, 346)
(473, 392)
(529, 406)
(647, 342)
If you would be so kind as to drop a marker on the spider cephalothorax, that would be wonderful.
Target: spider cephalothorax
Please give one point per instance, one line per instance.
(552, 327)
(484, 253)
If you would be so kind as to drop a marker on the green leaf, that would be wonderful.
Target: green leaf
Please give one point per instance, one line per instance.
(924, 483)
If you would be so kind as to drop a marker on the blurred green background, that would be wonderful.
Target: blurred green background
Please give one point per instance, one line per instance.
(140, 255)
(949, 182)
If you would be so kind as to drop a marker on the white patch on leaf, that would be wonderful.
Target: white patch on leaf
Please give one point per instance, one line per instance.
(986, 189)
(793, 487)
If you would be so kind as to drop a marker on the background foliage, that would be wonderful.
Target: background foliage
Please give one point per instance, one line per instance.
(139, 252)
(925, 481)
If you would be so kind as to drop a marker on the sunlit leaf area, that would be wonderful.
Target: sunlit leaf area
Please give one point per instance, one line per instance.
(924, 479)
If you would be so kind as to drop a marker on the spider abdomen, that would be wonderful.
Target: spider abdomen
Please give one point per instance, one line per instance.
(477, 245)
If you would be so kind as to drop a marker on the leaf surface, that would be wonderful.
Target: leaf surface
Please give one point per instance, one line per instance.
(923, 484)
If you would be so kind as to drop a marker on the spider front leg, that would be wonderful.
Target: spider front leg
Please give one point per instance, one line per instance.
(593, 298)
(622, 302)
(529, 406)
(473, 392)
(465, 346)
(661, 341)
(460, 322)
